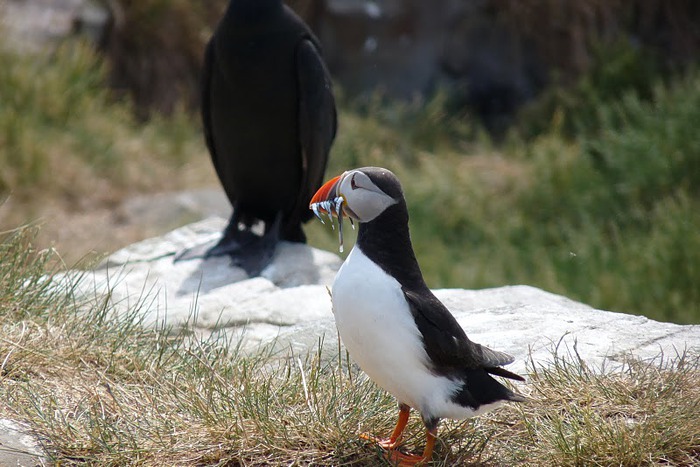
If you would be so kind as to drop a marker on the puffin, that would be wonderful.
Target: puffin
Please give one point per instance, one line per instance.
(269, 119)
(393, 326)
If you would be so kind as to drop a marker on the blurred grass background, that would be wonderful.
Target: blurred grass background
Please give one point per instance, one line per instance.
(593, 192)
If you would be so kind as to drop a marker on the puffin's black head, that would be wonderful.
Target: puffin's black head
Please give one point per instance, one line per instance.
(361, 194)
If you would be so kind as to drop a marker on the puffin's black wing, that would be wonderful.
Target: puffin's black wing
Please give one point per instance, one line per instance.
(317, 119)
(446, 343)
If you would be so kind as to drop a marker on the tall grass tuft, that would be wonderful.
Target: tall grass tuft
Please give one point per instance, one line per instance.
(25, 285)
(64, 133)
(634, 416)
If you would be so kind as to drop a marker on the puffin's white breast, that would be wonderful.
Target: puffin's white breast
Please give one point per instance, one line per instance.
(377, 328)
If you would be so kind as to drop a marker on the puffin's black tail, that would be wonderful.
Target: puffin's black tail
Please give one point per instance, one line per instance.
(498, 371)
(480, 388)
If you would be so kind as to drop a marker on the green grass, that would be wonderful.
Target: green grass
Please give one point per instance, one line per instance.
(64, 133)
(103, 391)
(607, 215)
(609, 218)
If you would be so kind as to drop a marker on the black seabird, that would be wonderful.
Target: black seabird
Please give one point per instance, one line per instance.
(393, 326)
(269, 120)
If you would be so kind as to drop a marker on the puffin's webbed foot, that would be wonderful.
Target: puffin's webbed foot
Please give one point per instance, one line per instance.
(394, 440)
(384, 443)
(404, 460)
(407, 460)
(400, 459)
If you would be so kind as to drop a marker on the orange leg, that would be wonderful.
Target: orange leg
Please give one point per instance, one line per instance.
(408, 460)
(392, 441)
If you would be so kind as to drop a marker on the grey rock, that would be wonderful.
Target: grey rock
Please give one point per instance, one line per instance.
(409, 48)
(18, 447)
(34, 25)
(171, 210)
(392, 45)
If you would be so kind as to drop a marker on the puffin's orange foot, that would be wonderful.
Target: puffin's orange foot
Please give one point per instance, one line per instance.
(392, 441)
(384, 443)
(407, 460)
(404, 460)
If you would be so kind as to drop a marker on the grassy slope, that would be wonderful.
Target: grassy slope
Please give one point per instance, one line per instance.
(61, 131)
(101, 391)
(70, 152)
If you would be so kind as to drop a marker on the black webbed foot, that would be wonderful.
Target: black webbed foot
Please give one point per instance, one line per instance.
(232, 240)
(248, 251)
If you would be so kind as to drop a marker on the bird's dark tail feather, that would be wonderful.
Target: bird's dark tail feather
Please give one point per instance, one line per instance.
(510, 395)
(498, 371)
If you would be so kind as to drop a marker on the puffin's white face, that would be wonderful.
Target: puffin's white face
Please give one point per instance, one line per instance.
(355, 195)
(363, 200)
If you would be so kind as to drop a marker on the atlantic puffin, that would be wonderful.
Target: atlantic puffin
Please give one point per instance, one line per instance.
(269, 119)
(393, 326)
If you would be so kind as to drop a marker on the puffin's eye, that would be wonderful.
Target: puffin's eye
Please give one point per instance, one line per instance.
(353, 185)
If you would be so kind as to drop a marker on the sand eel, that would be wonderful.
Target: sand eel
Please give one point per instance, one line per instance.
(393, 326)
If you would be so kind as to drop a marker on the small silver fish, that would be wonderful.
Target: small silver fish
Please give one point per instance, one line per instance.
(338, 210)
(314, 208)
(328, 207)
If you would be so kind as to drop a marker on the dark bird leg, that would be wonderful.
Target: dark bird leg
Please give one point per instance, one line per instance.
(292, 232)
(257, 252)
(392, 441)
(248, 251)
(232, 240)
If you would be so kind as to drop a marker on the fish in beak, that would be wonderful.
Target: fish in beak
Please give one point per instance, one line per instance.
(330, 202)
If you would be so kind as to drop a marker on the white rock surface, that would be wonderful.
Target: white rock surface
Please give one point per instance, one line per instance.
(290, 303)
(210, 295)
(532, 325)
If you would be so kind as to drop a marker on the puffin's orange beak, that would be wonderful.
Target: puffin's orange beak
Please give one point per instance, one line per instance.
(321, 201)
(328, 201)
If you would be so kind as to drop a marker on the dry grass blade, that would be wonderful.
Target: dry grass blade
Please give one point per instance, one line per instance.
(641, 414)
